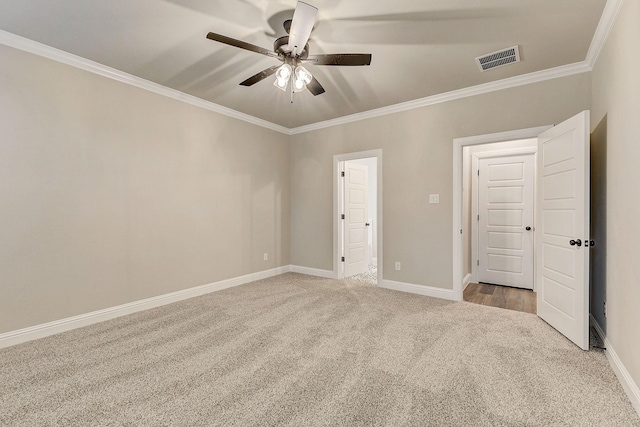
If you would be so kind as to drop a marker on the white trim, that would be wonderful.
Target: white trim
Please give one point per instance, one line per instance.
(313, 271)
(51, 328)
(411, 288)
(628, 384)
(607, 19)
(525, 79)
(458, 143)
(337, 159)
(58, 55)
(61, 56)
(511, 135)
(465, 282)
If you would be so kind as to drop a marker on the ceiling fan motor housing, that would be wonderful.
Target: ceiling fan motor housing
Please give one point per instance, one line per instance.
(281, 44)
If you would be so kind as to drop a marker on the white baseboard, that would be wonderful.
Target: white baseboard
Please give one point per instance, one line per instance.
(466, 281)
(313, 271)
(8, 339)
(429, 291)
(628, 384)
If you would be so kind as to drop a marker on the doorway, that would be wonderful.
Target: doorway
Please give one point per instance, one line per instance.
(501, 239)
(462, 186)
(358, 216)
(562, 198)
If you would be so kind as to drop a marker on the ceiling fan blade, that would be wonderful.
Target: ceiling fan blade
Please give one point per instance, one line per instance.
(352, 59)
(304, 18)
(315, 87)
(242, 45)
(260, 76)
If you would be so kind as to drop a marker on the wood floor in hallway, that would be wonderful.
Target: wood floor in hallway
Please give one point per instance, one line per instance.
(501, 296)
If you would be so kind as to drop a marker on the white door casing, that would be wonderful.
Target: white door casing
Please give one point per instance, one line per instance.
(563, 221)
(459, 226)
(505, 219)
(356, 214)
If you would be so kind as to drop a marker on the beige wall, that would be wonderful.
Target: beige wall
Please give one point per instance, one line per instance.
(417, 161)
(111, 194)
(616, 100)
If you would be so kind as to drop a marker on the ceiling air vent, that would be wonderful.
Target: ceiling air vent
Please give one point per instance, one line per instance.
(498, 59)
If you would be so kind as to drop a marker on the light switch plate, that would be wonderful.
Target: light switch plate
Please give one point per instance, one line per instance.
(434, 198)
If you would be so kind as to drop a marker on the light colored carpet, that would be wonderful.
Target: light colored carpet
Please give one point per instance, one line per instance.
(370, 276)
(303, 351)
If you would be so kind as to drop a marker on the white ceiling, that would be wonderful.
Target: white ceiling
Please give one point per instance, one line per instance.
(420, 48)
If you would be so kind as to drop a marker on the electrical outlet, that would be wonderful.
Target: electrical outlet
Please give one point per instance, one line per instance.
(265, 256)
(604, 308)
(397, 265)
(434, 198)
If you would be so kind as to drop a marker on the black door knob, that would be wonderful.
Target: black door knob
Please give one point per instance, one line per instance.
(576, 242)
(527, 228)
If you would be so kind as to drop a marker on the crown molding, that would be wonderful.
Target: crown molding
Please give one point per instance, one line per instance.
(511, 82)
(608, 18)
(27, 45)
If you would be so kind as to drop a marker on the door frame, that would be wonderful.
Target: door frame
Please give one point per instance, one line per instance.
(338, 159)
(458, 144)
(475, 157)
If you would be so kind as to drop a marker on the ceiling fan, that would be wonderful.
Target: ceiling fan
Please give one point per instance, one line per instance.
(293, 50)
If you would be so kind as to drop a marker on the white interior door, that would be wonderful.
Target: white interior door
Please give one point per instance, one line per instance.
(505, 220)
(563, 228)
(355, 211)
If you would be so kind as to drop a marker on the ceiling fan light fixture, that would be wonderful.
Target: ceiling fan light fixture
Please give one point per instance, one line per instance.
(284, 72)
(298, 85)
(291, 50)
(301, 79)
(303, 75)
(283, 75)
(281, 84)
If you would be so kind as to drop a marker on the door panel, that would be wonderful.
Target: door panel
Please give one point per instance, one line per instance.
(506, 195)
(505, 263)
(504, 218)
(505, 208)
(499, 240)
(560, 185)
(563, 212)
(560, 223)
(506, 172)
(355, 235)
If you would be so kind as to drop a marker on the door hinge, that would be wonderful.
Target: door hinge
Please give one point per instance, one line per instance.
(478, 217)
(342, 174)
(342, 216)
(478, 172)
(342, 259)
(478, 262)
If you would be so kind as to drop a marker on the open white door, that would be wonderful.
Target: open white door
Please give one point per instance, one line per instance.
(563, 228)
(355, 223)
